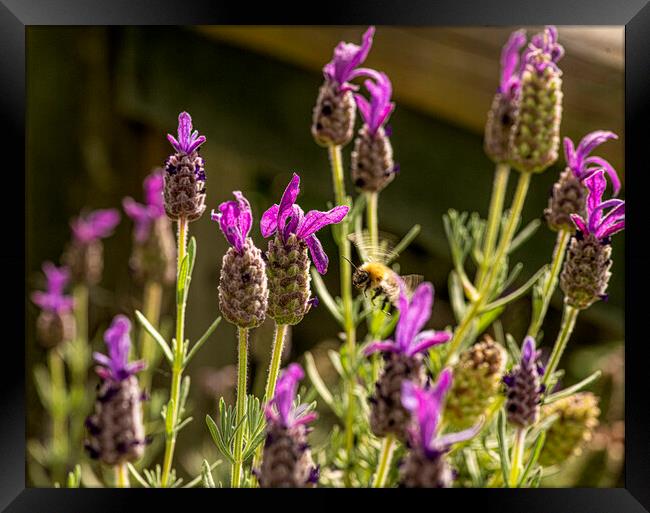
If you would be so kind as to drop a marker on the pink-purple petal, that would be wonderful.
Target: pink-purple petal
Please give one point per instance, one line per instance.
(510, 60)
(288, 199)
(609, 169)
(385, 346)
(318, 255)
(413, 318)
(580, 223)
(426, 339)
(269, 221)
(314, 220)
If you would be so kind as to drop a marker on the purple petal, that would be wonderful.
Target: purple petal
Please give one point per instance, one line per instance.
(580, 223)
(591, 140)
(292, 221)
(386, 346)
(612, 218)
(450, 439)
(56, 277)
(570, 156)
(413, 318)
(141, 215)
(528, 350)
(288, 199)
(188, 140)
(609, 169)
(426, 339)
(102, 359)
(285, 391)
(347, 56)
(245, 214)
(269, 221)
(363, 106)
(612, 229)
(315, 220)
(596, 184)
(510, 59)
(153, 192)
(595, 216)
(318, 255)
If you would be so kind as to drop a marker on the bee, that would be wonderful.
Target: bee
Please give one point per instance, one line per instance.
(375, 276)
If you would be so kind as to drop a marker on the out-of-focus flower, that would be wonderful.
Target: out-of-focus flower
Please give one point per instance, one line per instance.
(403, 361)
(372, 159)
(55, 323)
(115, 429)
(243, 289)
(287, 461)
(98, 224)
(334, 112)
(425, 465)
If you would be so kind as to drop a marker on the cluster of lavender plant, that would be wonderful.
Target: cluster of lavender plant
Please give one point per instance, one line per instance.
(414, 407)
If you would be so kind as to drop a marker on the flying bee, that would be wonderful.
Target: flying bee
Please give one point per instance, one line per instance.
(375, 276)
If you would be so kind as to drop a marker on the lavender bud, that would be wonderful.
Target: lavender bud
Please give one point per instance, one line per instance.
(578, 417)
(372, 160)
(54, 327)
(567, 197)
(524, 388)
(85, 261)
(387, 414)
(333, 116)
(477, 379)
(289, 279)
(243, 288)
(586, 271)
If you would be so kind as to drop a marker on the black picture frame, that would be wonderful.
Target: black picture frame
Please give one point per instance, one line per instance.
(16, 15)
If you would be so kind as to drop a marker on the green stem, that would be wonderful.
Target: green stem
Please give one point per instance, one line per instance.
(550, 283)
(346, 296)
(148, 348)
(79, 361)
(242, 365)
(386, 455)
(122, 476)
(58, 409)
(495, 265)
(272, 379)
(177, 365)
(569, 316)
(372, 201)
(517, 457)
(495, 213)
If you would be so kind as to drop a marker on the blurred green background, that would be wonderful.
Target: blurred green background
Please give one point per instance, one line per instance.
(101, 99)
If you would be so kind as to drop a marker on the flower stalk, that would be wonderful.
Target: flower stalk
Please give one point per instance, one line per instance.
(550, 283)
(242, 366)
(516, 461)
(152, 298)
(385, 458)
(122, 476)
(569, 316)
(60, 442)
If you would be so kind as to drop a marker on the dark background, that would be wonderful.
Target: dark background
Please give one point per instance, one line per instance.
(100, 101)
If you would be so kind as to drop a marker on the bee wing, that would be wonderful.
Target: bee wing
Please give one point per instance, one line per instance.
(369, 251)
(411, 282)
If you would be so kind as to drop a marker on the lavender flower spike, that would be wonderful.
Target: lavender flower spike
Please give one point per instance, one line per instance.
(413, 315)
(599, 225)
(116, 366)
(524, 387)
(510, 79)
(287, 461)
(288, 219)
(188, 140)
(425, 465)
(235, 220)
(54, 300)
(95, 225)
(583, 165)
(347, 56)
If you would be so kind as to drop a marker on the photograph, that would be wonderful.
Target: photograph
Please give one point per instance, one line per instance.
(325, 256)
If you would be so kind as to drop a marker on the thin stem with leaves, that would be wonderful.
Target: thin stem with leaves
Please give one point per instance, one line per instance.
(242, 366)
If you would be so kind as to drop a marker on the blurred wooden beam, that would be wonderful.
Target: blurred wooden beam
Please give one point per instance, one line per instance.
(452, 72)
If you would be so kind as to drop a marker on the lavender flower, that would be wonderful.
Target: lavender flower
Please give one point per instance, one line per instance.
(403, 361)
(84, 255)
(287, 258)
(243, 290)
(153, 259)
(524, 387)
(347, 57)
(53, 299)
(116, 366)
(413, 315)
(184, 191)
(598, 224)
(583, 165)
(501, 115)
(115, 429)
(95, 225)
(535, 134)
(334, 112)
(425, 465)
(586, 271)
(287, 461)
(372, 159)
(55, 323)
(287, 219)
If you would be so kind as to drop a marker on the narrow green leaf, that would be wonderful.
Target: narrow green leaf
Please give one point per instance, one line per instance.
(488, 318)
(573, 388)
(169, 417)
(201, 341)
(182, 280)
(184, 423)
(525, 234)
(405, 242)
(317, 381)
(137, 476)
(456, 296)
(516, 294)
(503, 447)
(537, 449)
(155, 335)
(325, 296)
